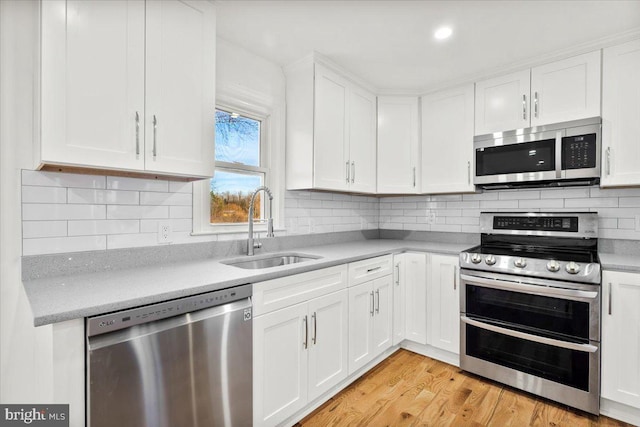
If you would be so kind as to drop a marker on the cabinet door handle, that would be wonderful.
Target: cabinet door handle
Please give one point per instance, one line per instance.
(535, 104)
(378, 303)
(347, 171)
(372, 304)
(414, 176)
(468, 172)
(137, 134)
(306, 333)
(315, 328)
(353, 172)
(398, 273)
(524, 107)
(155, 133)
(610, 298)
(608, 161)
(455, 277)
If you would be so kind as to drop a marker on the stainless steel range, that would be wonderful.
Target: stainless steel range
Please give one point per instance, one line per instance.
(530, 305)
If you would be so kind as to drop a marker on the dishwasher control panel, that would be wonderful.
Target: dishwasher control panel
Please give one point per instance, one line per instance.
(135, 316)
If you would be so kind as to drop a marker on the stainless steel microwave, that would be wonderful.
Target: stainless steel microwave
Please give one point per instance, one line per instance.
(560, 154)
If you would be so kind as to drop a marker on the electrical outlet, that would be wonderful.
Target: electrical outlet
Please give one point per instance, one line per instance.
(164, 232)
(431, 217)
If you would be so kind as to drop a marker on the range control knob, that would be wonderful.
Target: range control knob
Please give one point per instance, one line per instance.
(490, 259)
(476, 258)
(520, 262)
(553, 266)
(572, 268)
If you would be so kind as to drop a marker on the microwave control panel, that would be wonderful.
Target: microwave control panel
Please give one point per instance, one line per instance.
(579, 151)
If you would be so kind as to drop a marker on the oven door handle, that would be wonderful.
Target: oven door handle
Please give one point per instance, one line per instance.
(587, 348)
(529, 289)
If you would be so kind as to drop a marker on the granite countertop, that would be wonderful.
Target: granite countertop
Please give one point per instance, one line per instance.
(67, 297)
(617, 262)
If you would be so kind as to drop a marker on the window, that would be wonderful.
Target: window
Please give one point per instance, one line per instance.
(240, 168)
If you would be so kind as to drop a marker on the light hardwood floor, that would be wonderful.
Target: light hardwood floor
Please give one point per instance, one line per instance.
(408, 389)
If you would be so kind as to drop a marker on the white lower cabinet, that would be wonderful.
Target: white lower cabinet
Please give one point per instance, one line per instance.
(370, 321)
(444, 303)
(412, 284)
(621, 338)
(300, 352)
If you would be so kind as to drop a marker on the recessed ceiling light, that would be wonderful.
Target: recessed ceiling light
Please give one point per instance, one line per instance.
(443, 33)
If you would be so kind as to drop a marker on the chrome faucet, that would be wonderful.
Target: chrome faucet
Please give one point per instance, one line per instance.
(250, 244)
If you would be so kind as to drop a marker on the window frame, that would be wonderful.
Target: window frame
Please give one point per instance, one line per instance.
(256, 110)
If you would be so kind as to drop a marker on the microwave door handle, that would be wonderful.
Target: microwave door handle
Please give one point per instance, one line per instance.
(587, 348)
(559, 171)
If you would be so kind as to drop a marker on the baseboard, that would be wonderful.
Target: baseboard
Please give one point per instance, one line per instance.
(620, 411)
(432, 352)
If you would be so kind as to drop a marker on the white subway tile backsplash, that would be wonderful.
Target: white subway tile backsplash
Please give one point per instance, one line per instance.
(490, 195)
(151, 225)
(118, 241)
(180, 212)
(605, 202)
(541, 204)
(45, 211)
(108, 226)
(102, 197)
(55, 245)
(474, 204)
(519, 195)
(33, 194)
(498, 204)
(627, 223)
(34, 229)
(628, 202)
(180, 187)
(137, 212)
(564, 193)
(137, 184)
(56, 179)
(165, 199)
(607, 223)
(614, 192)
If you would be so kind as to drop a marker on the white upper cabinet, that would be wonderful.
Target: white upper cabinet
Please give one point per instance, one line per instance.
(502, 103)
(566, 90)
(556, 92)
(398, 145)
(109, 68)
(447, 133)
(331, 140)
(621, 115)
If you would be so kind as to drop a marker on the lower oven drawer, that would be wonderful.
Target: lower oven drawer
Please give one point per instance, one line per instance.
(563, 371)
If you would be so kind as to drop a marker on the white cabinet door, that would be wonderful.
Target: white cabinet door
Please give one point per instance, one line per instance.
(280, 364)
(447, 133)
(93, 83)
(330, 146)
(566, 90)
(382, 314)
(398, 145)
(502, 103)
(361, 311)
(621, 338)
(398, 299)
(415, 287)
(328, 340)
(362, 140)
(444, 303)
(180, 87)
(620, 113)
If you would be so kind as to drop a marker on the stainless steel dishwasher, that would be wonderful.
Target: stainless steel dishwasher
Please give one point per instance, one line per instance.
(185, 362)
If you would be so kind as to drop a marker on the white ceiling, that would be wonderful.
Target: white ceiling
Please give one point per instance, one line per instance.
(390, 44)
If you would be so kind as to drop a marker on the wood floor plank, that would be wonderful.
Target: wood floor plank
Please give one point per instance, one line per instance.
(410, 389)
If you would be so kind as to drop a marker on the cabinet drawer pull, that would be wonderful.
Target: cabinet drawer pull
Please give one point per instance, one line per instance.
(369, 270)
(524, 107)
(315, 328)
(137, 134)
(305, 343)
(372, 304)
(353, 172)
(378, 303)
(155, 132)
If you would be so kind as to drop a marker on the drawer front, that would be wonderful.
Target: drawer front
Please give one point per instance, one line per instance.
(369, 269)
(279, 293)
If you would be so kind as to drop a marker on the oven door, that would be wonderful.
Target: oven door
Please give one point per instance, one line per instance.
(535, 336)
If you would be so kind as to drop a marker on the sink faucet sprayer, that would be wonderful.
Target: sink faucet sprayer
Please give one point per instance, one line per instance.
(250, 245)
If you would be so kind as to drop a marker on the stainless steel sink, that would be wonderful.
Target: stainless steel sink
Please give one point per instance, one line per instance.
(268, 261)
